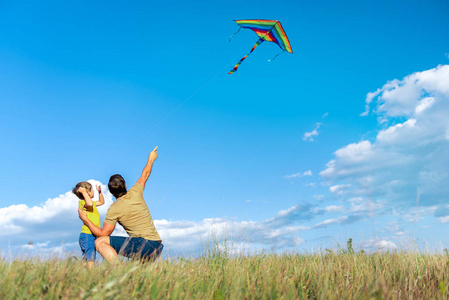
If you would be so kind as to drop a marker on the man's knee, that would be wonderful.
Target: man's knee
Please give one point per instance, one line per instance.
(101, 241)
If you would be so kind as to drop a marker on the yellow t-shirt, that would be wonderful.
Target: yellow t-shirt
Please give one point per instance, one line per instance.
(92, 215)
(131, 211)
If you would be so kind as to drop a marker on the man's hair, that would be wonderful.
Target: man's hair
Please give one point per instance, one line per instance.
(83, 184)
(117, 186)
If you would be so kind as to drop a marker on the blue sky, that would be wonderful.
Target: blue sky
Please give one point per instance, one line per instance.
(278, 150)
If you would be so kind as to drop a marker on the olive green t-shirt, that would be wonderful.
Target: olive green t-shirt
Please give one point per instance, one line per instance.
(133, 214)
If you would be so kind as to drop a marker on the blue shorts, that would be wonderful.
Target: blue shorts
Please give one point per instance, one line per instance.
(87, 244)
(137, 247)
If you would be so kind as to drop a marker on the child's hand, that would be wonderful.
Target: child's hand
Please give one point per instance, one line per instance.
(99, 189)
(82, 190)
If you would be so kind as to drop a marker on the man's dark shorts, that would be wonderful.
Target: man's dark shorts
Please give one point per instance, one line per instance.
(137, 247)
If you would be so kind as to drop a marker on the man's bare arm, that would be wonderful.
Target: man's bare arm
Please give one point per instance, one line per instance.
(97, 231)
(147, 170)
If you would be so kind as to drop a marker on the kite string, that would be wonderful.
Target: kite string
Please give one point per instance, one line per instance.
(270, 60)
(187, 99)
(234, 34)
(120, 154)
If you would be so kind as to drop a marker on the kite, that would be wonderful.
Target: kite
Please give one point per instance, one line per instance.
(266, 30)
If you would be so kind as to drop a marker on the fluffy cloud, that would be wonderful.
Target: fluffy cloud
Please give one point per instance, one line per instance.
(410, 152)
(309, 136)
(53, 219)
(329, 209)
(188, 237)
(297, 175)
(51, 229)
(340, 220)
(379, 245)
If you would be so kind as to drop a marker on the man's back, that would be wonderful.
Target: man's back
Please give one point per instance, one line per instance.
(133, 214)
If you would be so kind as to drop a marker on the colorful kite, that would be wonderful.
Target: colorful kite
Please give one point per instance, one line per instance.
(267, 30)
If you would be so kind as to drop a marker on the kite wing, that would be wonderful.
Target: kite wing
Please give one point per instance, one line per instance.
(266, 30)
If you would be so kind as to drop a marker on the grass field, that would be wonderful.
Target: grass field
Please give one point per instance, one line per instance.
(216, 275)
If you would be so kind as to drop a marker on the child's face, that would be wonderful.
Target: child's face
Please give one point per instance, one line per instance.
(91, 193)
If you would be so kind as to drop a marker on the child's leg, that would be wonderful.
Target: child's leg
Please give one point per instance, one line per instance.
(90, 265)
(90, 251)
(83, 245)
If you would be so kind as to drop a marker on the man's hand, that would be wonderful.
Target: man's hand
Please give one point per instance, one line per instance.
(153, 154)
(82, 214)
(99, 189)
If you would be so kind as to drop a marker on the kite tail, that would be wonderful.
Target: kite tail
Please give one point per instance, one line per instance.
(243, 58)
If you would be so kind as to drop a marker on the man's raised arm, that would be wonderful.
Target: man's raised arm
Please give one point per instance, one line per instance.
(147, 170)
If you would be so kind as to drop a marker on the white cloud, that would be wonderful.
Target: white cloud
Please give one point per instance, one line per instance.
(279, 232)
(334, 208)
(340, 220)
(309, 136)
(296, 213)
(53, 228)
(369, 98)
(47, 249)
(380, 245)
(362, 205)
(411, 149)
(339, 188)
(444, 219)
(298, 175)
(331, 221)
(56, 219)
(415, 214)
(318, 197)
(329, 209)
(424, 105)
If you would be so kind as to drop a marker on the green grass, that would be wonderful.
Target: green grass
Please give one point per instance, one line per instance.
(329, 275)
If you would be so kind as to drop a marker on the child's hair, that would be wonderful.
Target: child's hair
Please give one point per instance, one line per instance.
(83, 184)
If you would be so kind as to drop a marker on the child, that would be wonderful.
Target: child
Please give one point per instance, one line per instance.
(85, 193)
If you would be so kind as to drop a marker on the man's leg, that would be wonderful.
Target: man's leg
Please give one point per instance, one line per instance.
(150, 250)
(103, 246)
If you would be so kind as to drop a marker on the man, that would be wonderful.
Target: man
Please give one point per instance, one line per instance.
(130, 211)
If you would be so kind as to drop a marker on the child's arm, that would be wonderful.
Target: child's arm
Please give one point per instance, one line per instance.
(101, 200)
(86, 196)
